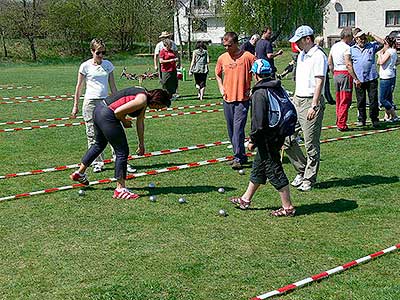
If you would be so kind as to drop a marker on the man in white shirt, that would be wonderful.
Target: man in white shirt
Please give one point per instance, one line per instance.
(164, 35)
(341, 65)
(311, 70)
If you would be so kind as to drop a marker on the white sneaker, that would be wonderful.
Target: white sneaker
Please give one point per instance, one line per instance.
(97, 168)
(130, 169)
(298, 180)
(305, 187)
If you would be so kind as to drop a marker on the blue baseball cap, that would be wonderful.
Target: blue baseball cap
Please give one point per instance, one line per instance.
(261, 67)
(301, 31)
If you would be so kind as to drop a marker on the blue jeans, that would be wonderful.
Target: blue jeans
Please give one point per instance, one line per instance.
(386, 90)
(236, 118)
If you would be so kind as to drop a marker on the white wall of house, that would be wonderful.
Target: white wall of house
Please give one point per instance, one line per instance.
(213, 31)
(370, 15)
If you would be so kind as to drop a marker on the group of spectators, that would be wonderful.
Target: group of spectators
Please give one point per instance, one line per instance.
(352, 60)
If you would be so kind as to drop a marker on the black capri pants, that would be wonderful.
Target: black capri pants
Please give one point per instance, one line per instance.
(108, 129)
(267, 164)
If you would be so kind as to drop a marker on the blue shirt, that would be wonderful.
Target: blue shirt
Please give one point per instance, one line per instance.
(264, 47)
(364, 61)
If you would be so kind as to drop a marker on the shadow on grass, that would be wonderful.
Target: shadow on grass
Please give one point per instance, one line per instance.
(178, 190)
(337, 206)
(361, 181)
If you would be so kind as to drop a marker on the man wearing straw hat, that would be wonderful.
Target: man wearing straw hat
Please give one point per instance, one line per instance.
(163, 36)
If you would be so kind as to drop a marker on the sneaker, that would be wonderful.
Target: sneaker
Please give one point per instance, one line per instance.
(342, 129)
(130, 169)
(305, 187)
(298, 180)
(97, 168)
(124, 193)
(237, 165)
(81, 178)
(360, 123)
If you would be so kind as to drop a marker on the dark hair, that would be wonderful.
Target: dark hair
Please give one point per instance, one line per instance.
(356, 30)
(231, 35)
(201, 44)
(346, 32)
(159, 96)
(390, 40)
(266, 28)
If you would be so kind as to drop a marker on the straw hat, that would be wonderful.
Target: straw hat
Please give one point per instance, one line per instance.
(165, 34)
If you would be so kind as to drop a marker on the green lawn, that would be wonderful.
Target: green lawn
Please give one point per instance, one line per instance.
(64, 246)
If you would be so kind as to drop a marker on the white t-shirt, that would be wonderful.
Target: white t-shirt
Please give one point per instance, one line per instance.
(96, 77)
(309, 65)
(160, 45)
(388, 69)
(338, 52)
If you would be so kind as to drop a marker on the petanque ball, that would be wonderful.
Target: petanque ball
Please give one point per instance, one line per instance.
(81, 192)
(152, 185)
(182, 200)
(241, 172)
(152, 198)
(222, 213)
(221, 190)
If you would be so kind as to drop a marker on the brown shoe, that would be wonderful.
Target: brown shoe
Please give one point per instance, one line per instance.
(237, 165)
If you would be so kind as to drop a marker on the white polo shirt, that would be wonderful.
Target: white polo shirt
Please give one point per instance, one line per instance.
(338, 52)
(309, 65)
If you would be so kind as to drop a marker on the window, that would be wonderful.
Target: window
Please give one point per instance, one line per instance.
(199, 25)
(347, 19)
(393, 18)
(200, 3)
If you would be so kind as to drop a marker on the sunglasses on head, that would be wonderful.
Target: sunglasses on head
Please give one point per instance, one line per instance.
(100, 52)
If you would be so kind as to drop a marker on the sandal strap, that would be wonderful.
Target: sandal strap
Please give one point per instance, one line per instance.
(241, 202)
(284, 212)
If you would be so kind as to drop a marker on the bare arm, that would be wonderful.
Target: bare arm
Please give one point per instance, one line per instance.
(191, 63)
(155, 59)
(140, 132)
(376, 38)
(164, 61)
(350, 69)
(319, 84)
(275, 54)
(129, 107)
(383, 57)
(111, 82)
(78, 91)
(330, 63)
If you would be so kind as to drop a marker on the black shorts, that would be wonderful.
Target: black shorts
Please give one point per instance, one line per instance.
(201, 79)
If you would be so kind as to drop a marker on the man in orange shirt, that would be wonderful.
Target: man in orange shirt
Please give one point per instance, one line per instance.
(235, 65)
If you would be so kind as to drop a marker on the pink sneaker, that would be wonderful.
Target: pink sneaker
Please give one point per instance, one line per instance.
(81, 178)
(124, 193)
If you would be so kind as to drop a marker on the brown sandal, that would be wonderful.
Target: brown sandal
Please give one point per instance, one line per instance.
(284, 212)
(241, 202)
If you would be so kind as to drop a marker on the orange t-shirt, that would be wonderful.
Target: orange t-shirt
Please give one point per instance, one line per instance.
(237, 76)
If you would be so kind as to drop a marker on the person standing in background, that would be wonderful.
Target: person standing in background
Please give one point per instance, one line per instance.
(199, 67)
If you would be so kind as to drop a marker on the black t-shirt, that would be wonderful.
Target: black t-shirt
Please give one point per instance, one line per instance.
(262, 48)
(248, 47)
(131, 91)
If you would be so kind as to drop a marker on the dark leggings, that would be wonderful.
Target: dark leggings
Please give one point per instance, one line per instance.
(108, 129)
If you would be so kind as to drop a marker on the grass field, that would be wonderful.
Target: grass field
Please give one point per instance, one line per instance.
(64, 246)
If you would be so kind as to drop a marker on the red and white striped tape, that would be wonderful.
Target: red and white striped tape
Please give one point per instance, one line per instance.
(325, 274)
(108, 161)
(82, 123)
(80, 117)
(12, 87)
(37, 97)
(130, 176)
(36, 100)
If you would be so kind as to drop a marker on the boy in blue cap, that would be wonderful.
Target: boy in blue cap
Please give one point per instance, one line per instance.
(267, 140)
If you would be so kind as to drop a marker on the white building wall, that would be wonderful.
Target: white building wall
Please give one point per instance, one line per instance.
(369, 16)
(215, 27)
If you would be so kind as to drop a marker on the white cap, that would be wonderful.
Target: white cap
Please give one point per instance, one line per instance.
(301, 31)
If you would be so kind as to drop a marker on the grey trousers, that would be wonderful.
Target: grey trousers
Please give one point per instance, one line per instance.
(308, 165)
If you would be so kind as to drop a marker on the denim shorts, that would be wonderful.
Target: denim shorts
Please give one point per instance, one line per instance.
(386, 89)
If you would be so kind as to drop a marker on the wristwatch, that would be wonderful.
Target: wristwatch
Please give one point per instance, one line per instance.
(315, 107)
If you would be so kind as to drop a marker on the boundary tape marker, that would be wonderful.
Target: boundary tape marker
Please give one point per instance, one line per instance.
(128, 177)
(82, 123)
(81, 117)
(108, 161)
(291, 287)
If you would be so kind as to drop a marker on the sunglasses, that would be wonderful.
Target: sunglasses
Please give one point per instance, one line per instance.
(100, 52)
